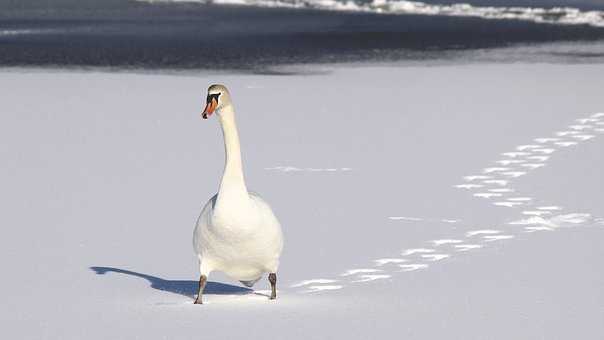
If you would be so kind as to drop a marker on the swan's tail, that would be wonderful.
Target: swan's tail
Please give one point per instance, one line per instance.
(250, 283)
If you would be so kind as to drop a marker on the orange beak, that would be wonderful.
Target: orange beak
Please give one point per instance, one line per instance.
(209, 109)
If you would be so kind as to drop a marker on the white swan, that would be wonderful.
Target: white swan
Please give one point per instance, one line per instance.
(237, 232)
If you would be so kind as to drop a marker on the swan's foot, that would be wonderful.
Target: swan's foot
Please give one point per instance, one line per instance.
(272, 278)
(202, 284)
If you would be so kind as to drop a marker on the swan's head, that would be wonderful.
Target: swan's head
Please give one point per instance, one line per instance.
(218, 99)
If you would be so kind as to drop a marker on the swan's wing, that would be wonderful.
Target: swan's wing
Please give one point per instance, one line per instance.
(270, 223)
(202, 222)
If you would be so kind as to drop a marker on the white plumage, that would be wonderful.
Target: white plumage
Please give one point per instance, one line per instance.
(243, 246)
(237, 232)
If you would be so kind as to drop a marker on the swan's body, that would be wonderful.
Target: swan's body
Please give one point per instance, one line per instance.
(237, 232)
(242, 246)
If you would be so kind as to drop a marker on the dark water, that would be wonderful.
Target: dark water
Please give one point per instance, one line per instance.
(119, 33)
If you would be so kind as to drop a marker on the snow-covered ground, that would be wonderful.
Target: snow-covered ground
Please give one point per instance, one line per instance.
(442, 202)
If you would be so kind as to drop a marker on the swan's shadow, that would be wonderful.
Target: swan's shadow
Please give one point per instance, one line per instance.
(186, 288)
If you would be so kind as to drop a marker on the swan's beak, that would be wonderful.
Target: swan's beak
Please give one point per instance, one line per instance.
(210, 107)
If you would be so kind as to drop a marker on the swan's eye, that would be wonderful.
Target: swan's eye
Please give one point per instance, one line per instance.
(212, 96)
(211, 104)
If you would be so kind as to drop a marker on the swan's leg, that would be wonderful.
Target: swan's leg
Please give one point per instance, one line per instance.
(204, 270)
(202, 284)
(272, 278)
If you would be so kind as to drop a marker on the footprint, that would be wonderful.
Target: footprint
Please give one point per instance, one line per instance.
(404, 218)
(527, 147)
(284, 168)
(435, 257)
(514, 174)
(505, 162)
(519, 199)
(313, 289)
(574, 218)
(583, 137)
(500, 182)
(360, 271)
(495, 169)
(539, 158)
(536, 212)
(417, 251)
(491, 238)
(537, 228)
(367, 278)
(468, 186)
(545, 151)
(445, 241)
(417, 219)
(587, 120)
(533, 220)
(313, 281)
(466, 247)
(580, 127)
(532, 166)
(515, 154)
(546, 140)
(566, 144)
(502, 190)
(554, 222)
(475, 177)
(507, 204)
(482, 232)
(385, 261)
(549, 208)
(413, 267)
(566, 133)
(487, 194)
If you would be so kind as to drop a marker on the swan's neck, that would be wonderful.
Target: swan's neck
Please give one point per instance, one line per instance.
(232, 186)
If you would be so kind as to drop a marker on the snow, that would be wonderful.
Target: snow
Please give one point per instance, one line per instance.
(104, 174)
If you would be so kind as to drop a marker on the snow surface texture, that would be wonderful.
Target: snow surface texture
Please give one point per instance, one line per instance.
(104, 175)
(496, 188)
(557, 15)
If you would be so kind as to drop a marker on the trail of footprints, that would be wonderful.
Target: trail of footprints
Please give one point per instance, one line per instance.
(493, 184)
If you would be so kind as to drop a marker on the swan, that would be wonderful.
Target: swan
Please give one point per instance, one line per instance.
(237, 232)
